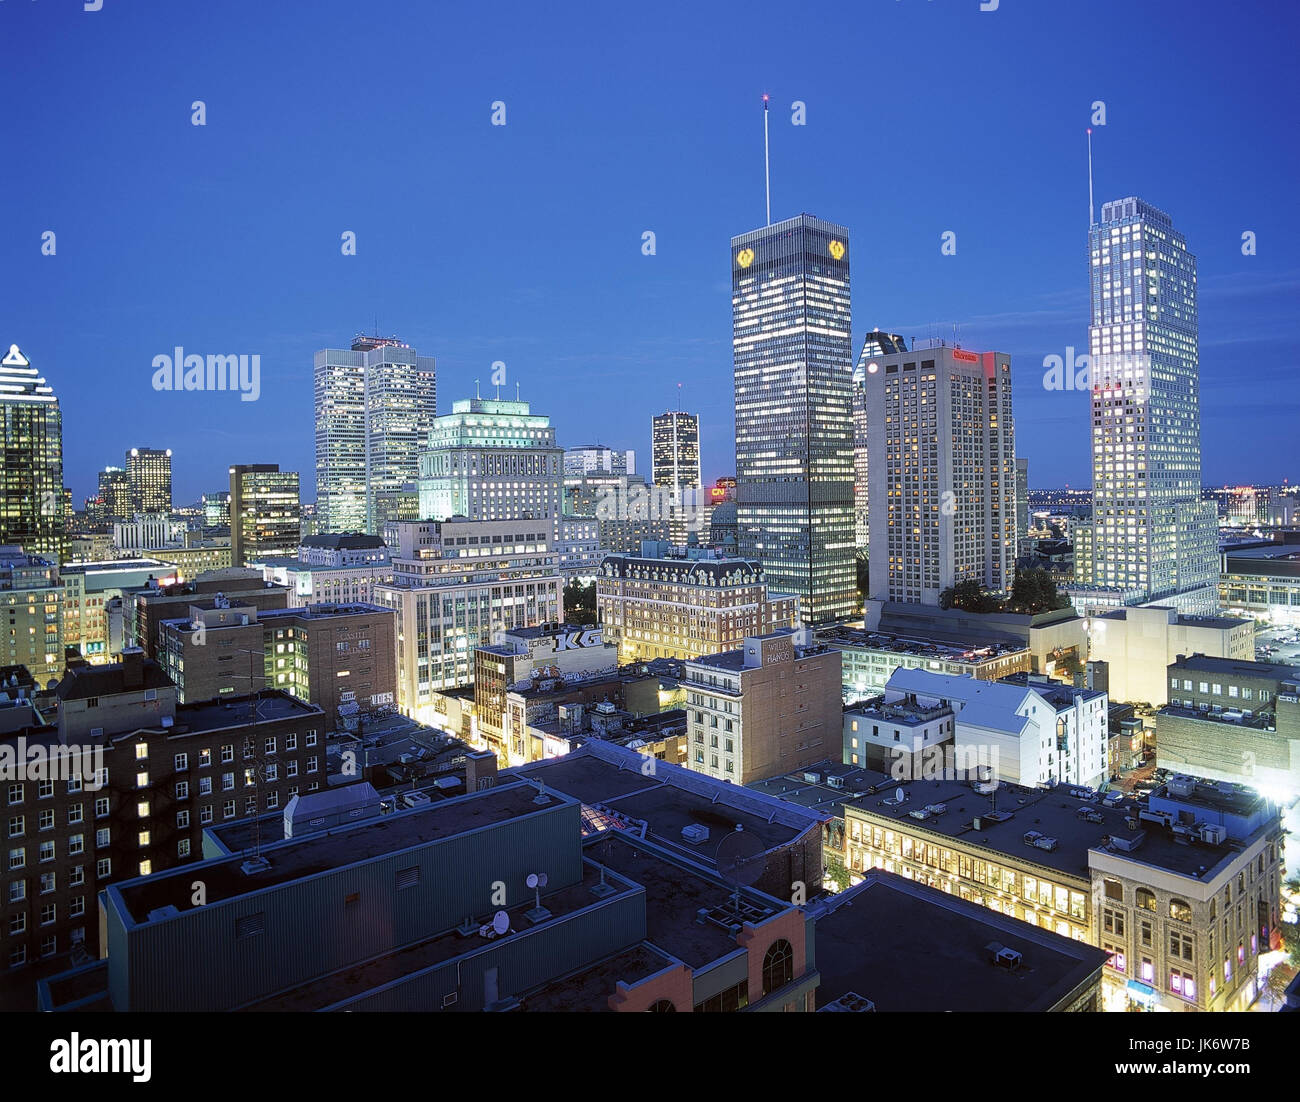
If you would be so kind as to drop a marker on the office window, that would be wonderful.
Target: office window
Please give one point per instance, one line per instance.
(183, 848)
(101, 837)
(76, 844)
(47, 819)
(182, 820)
(44, 790)
(49, 882)
(182, 790)
(104, 867)
(77, 907)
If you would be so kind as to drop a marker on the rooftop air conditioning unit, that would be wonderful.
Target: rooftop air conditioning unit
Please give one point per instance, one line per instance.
(1214, 834)
(695, 833)
(1007, 958)
(1048, 844)
(835, 782)
(812, 778)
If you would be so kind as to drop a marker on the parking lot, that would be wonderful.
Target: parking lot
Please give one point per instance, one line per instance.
(1278, 644)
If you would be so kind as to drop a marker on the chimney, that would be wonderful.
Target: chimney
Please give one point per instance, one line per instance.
(480, 767)
(132, 668)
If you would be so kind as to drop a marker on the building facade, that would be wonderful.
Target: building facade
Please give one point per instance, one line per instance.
(1152, 536)
(768, 708)
(492, 460)
(375, 404)
(149, 480)
(675, 451)
(942, 472)
(682, 607)
(792, 352)
(31, 607)
(265, 513)
(31, 484)
(456, 583)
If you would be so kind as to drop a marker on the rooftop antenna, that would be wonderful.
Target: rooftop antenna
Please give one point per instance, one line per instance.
(517, 398)
(1090, 217)
(476, 393)
(767, 163)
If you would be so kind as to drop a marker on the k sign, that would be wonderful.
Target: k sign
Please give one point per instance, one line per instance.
(576, 640)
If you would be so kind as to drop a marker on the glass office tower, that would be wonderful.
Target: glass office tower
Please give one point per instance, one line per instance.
(792, 347)
(1153, 539)
(375, 406)
(31, 486)
(675, 451)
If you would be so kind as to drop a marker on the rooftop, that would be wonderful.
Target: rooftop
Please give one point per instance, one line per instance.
(820, 795)
(83, 682)
(953, 651)
(908, 947)
(345, 541)
(1053, 813)
(297, 859)
(1236, 666)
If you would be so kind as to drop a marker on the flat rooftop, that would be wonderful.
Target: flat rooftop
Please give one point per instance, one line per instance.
(666, 808)
(213, 715)
(1218, 623)
(1240, 667)
(588, 990)
(675, 896)
(909, 947)
(1051, 812)
(919, 646)
(357, 979)
(820, 796)
(296, 859)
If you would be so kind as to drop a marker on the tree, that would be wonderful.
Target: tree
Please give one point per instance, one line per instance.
(836, 871)
(580, 603)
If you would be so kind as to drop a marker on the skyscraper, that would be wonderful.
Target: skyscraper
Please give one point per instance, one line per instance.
(265, 517)
(115, 493)
(1022, 501)
(943, 478)
(875, 344)
(31, 485)
(792, 350)
(492, 460)
(675, 451)
(1154, 540)
(149, 480)
(375, 405)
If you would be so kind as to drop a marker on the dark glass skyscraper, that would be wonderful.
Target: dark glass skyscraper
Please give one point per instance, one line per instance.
(792, 346)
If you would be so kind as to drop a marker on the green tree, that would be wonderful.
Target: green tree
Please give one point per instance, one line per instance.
(580, 603)
(836, 871)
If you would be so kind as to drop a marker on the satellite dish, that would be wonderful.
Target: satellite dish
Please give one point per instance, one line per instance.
(898, 795)
(542, 879)
(531, 881)
(740, 859)
(500, 922)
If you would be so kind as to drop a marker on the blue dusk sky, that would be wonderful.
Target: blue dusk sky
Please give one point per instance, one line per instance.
(523, 243)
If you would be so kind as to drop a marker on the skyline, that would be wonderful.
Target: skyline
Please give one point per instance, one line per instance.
(449, 258)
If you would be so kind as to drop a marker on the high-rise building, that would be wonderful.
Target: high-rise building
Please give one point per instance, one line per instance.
(1022, 499)
(115, 494)
(1154, 540)
(875, 344)
(492, 460)
(375, 405)
(942, 469)
(31, 485)
(794, 411)
(675, 451)
(591, 458)
(31, 593)
(216, 509)
(264, 512)
(455, 584)
(149, 479)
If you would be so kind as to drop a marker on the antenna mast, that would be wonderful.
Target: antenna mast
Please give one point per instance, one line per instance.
(767, 163)
(1090, 217)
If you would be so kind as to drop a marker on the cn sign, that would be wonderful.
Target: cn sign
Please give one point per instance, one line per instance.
(576, 640)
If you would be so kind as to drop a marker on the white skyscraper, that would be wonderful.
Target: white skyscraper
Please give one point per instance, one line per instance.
(1153, 539)
(375, 406)
(942, 472)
